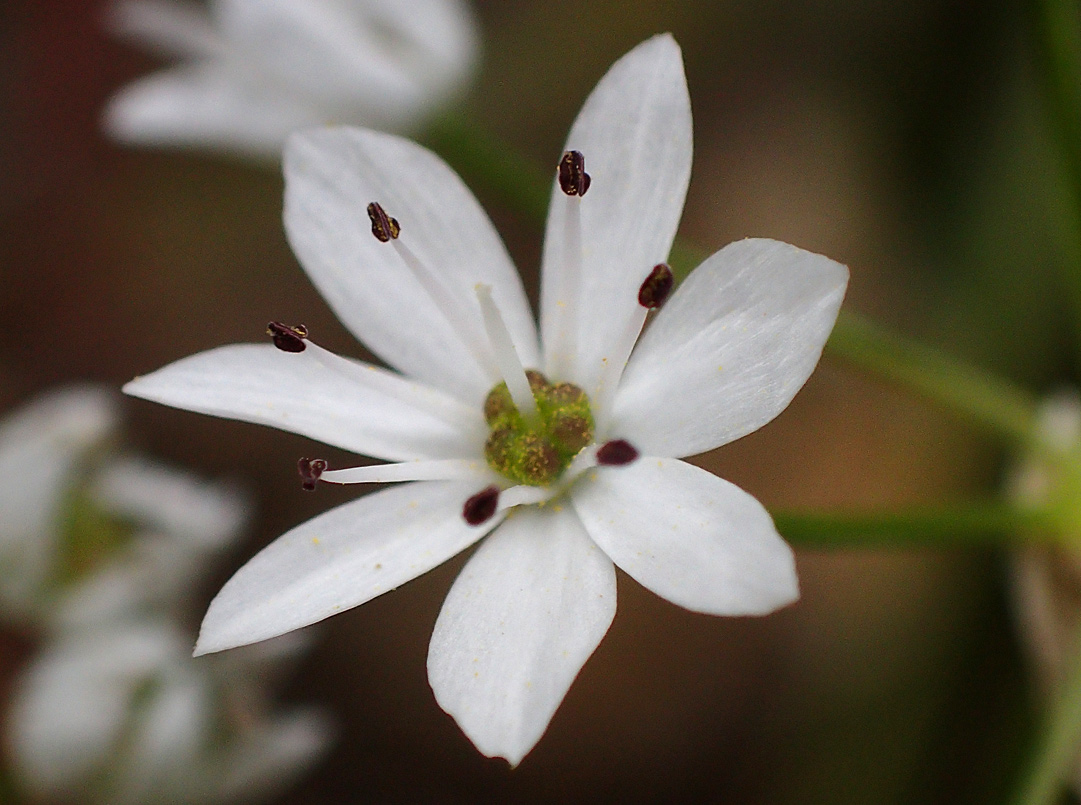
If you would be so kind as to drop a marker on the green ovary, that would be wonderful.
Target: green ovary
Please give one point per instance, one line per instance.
(536, 452)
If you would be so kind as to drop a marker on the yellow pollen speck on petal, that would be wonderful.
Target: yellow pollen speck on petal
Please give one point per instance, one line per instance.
(379, 566)
(315, 540)
(720, 368)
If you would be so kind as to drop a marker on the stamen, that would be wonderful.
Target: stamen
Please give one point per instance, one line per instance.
(482, 506)
(651, 294)
(383, 226)
(616, 453)
(506, 356)
(573, 179)
(446, 299)
(574, 182)
(287, 338)
(451, 469)
(310, 470)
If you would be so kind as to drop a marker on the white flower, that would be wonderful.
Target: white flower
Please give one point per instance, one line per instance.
(443, 304)
(86, 534)
(253, 71)
(122, 714)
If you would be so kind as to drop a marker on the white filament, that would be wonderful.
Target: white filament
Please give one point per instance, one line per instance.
(449, 303)
(452, 469)
(506, 356)
(562, 352)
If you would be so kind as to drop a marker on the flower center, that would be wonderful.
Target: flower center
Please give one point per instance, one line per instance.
(536, 450)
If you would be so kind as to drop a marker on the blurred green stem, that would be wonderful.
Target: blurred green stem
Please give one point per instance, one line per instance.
(977, 396)
(1059, 47)
(1054, 752)
(941, 526)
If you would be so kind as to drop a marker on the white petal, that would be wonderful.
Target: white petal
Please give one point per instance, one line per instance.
(339, 560)
(688, 536)
(208, 105)
(202, 513)
(731, 348)
(525, 614)
(380, 64)
(173, 726)
(171, 27)
(369, 410)
(271, 755)
(331, 176)
(635, 134)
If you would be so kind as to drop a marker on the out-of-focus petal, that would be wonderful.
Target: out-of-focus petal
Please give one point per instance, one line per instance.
(339, 560)
(41, 446)
(525, 614)
(688, 536)
(205, 513)
(731, 348)
(209, 105)
(170, 27)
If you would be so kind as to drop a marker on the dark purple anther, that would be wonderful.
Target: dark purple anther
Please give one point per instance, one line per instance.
(287, 338)
(384, 227)
(658, 285)
(481, 507)
(573, 179)
(310, 469)
(616, 453)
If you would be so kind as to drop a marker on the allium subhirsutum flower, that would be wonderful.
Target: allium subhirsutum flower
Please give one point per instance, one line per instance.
(253, 71)
(558, 445)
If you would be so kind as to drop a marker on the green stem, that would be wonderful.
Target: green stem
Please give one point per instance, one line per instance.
(1059, 48)
(1055, 751)
(975, 395)
(477, 154)
(979, 523)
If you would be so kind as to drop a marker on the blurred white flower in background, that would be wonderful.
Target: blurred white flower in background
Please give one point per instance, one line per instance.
(252, 71)
(1046, 578)
(122, 714)
(86, 533)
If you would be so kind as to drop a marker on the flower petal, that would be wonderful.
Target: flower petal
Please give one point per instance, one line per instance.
(339, 560)
(207, 105)
(170, 27)
(635, 134)
(377, 64)
(688, 536)
(525, 614)
(271, 755)
(331, 176)
(731, 348)
(198, 513)
(348, 404)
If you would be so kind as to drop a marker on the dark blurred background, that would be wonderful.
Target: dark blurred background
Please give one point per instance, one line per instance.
(902, 137)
